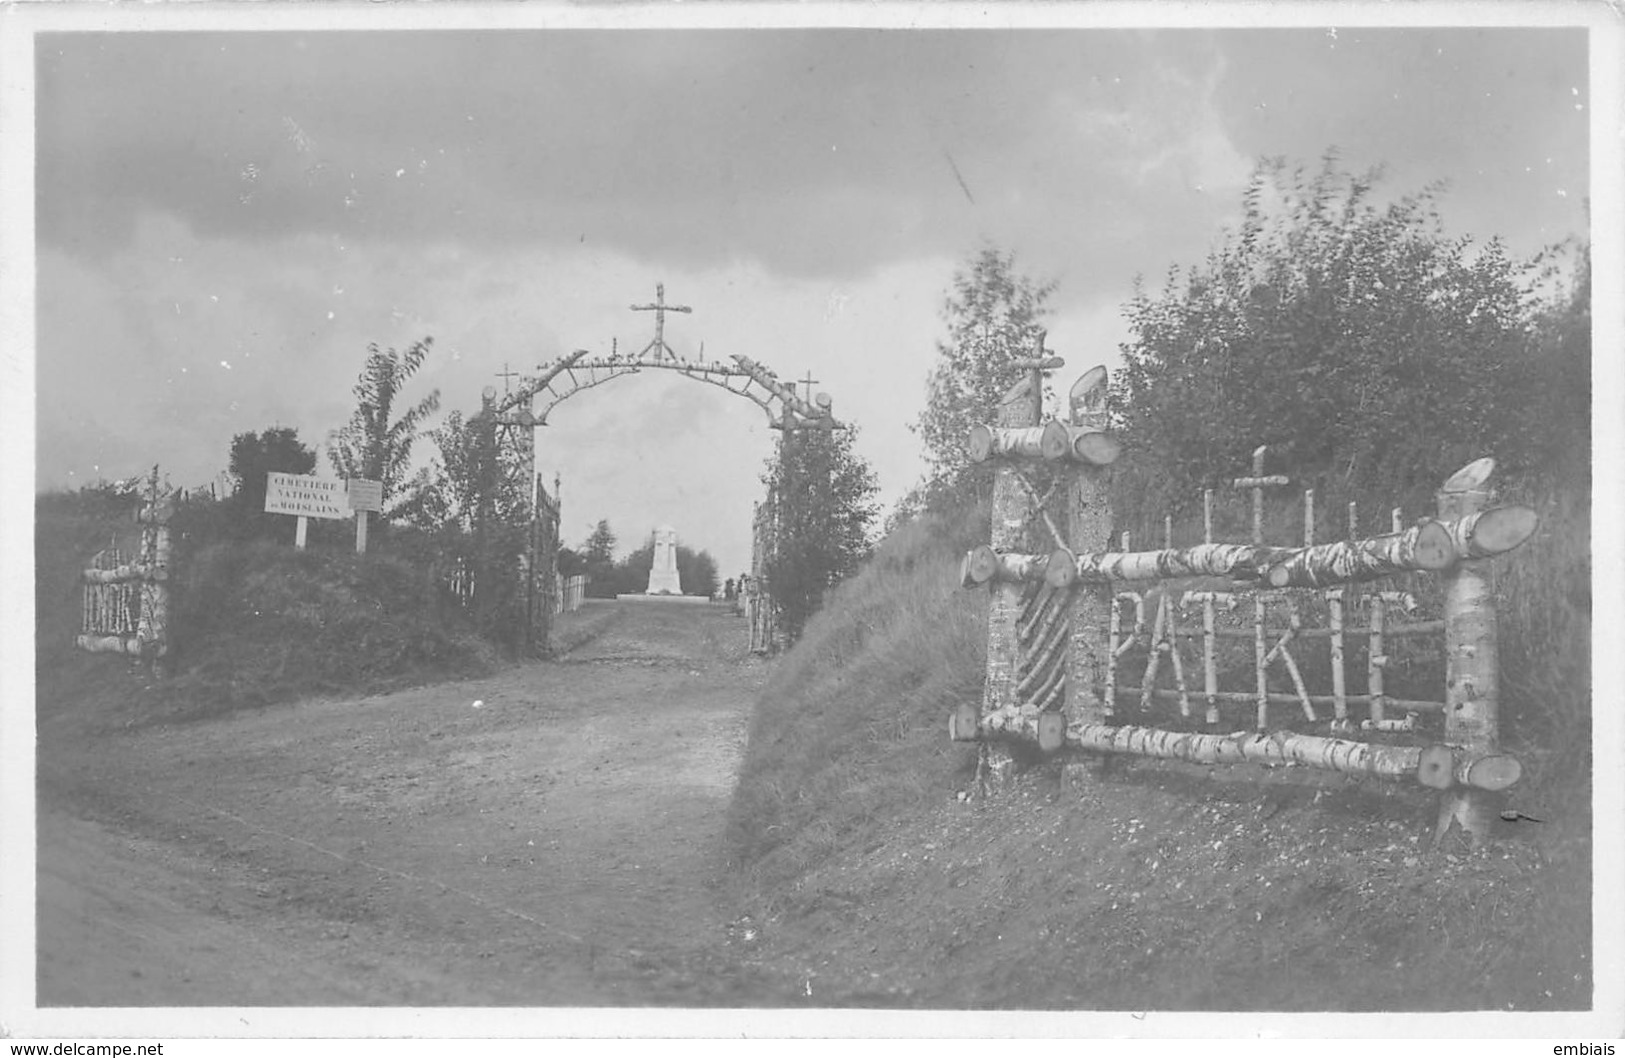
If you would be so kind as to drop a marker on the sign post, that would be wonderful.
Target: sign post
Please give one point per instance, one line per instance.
(364, 496)
(304, 496)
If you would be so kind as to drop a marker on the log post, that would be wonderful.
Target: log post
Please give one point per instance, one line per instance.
(1257, 484)
(1472, 691)
(1089, 526)
(758, 597)
(995, 764)
(1210, 676)
(1340, 703)
(1020, 410)
(153, 630)
(1376, 658)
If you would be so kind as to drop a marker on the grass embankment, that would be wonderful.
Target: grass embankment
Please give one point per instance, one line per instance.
(1151, 886)
(852, 730)
(253, 623)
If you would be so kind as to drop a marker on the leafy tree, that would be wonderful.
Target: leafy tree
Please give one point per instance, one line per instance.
(1561, 397)
(1359, 341)
(276, 449)
(571, 563)
(630, 576)
(471, 478)
(1547, 635)
(598, 551)
(474, 501)
(698, 571)
(375, 444)
(993, 314)
(820, 494)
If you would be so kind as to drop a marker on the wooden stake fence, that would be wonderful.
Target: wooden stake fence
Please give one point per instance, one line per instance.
(126, 604)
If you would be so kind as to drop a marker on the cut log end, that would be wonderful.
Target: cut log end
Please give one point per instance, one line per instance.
(1504, 528)
(1434, 548)
(1470, 477)
(1054, 441)
(1495, 772)
(981, 443)
(982, 564)
(1437, 767)
(1096, 447)
(1088, 393)
(1061, 569)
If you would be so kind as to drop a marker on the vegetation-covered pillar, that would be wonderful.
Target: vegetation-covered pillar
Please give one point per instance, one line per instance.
(1472, 692)
(542, 584)
(152, 633)
(530, 564)
(758, 602)
(788, 502)
(1089, 525)
(487, 473)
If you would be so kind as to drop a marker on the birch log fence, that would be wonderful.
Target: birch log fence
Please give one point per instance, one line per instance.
(1066, 616)
(126, 602)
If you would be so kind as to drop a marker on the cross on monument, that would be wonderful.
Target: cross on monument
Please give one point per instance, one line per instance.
(660, 308)
(505, 375)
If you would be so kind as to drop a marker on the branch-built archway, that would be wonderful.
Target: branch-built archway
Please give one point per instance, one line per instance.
(579, 371)
(515, 414)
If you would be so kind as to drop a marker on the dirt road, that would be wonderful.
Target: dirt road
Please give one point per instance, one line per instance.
(548, 836)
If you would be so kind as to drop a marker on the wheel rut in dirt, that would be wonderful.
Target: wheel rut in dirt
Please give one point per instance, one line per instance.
(547, 836)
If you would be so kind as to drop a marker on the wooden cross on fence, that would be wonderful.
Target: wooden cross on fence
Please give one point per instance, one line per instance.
(660, 308)
(1038, 364)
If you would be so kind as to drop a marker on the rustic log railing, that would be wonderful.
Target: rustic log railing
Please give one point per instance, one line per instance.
(126, 603)
(1062, 622)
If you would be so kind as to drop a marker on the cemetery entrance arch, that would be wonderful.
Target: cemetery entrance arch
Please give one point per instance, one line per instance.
(514, 415)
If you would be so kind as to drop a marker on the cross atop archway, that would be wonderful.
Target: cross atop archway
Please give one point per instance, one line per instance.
(660, 308)
(809, 382)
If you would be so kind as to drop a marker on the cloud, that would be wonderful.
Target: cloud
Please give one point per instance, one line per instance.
(813, 152)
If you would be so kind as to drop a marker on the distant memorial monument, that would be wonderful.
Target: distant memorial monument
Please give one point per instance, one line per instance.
(663, 579)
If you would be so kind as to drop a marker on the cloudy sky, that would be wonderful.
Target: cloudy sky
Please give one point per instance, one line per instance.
(225, 220)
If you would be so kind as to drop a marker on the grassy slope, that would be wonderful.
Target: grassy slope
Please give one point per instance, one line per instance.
(852, 728)
(1155, 886)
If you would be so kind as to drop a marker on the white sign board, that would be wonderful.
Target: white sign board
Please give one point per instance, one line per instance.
(305, 495)
(365, 495)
